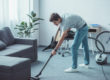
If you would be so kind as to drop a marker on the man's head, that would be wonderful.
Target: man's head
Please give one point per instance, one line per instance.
(55, 18)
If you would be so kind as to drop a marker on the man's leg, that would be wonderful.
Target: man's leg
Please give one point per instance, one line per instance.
(79, 36)
(75, 46)
(76, 43)
(86, 50)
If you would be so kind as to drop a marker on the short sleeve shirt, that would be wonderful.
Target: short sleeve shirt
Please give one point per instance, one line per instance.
(71, 21)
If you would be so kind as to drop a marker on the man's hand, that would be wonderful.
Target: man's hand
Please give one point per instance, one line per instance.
(53, 52)
(60, 41)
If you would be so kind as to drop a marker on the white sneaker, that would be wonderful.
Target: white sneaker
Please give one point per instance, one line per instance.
(70, 70)
(83, 65)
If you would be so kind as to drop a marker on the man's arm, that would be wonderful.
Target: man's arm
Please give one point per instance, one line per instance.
(61, 39)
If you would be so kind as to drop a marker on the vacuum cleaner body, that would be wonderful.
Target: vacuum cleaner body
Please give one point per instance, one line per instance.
(101, 59)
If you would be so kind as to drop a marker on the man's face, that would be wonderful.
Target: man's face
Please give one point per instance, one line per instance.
(57, 22)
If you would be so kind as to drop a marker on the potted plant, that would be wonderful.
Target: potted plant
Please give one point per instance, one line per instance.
(25, 29)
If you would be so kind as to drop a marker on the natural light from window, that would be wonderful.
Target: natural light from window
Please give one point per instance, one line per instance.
(13, 9)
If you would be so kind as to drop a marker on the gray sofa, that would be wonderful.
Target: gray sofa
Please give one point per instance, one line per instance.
(14, 68)
(10, 46)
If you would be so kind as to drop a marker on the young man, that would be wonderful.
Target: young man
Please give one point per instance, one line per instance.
(66, 22)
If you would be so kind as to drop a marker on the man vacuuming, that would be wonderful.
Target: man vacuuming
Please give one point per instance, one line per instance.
(67, 22)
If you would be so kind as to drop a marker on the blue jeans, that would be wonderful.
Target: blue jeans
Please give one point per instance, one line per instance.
(81, 35)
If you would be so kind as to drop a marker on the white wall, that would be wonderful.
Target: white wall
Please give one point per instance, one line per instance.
(93, 11)
(36, 9)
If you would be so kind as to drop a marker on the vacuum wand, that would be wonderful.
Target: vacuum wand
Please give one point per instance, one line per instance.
(44, 66)
(37, 76)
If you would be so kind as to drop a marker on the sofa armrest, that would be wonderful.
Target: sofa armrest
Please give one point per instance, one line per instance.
(32, 42)
(26, 41)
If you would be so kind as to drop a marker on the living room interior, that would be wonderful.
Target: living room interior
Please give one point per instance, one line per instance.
(27, 39)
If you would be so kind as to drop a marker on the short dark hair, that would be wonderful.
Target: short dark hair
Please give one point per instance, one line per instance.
(54, 17)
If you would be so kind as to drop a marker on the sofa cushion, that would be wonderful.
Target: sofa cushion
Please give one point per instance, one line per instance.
(6, 36)
(8, 52)
(14, 49)
(19, 46)
(13, 63)
(2, 45)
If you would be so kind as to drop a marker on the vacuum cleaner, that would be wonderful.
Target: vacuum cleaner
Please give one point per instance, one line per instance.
(37, 76)
(101, 59)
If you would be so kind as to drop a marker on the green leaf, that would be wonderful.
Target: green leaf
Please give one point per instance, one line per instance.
(36, 19)
(19, 25)
(20, 33)
(36, 24)
(29, 16)
(25, 25)
(33, 14)
(35, 29)
(15, 28)
(22, 23)
(21, 29)
(30, 24)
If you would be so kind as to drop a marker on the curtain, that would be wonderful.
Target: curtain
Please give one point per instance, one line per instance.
(12, 12)
(4, 13)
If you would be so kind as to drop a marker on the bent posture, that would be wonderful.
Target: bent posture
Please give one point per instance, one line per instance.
(66, 22)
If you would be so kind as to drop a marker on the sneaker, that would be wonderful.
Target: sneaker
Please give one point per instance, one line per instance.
(83, 65)
(70, 70)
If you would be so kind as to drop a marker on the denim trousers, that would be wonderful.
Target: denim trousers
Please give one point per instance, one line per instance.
(81, 36)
